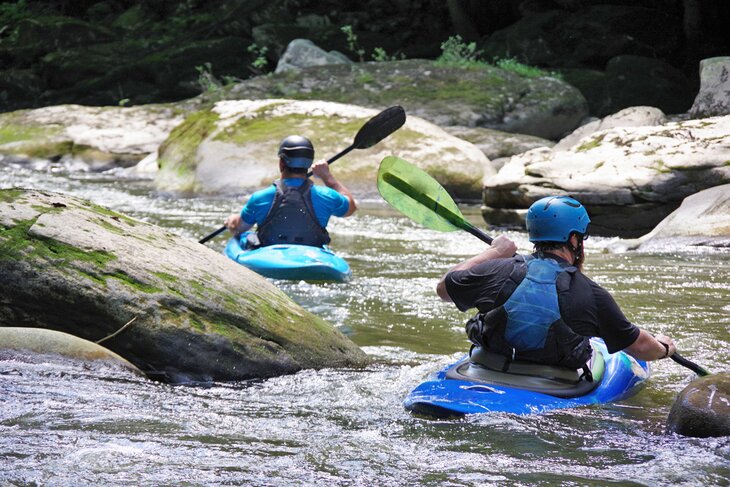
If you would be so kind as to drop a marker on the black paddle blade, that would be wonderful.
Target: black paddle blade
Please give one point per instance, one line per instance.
(379, 127)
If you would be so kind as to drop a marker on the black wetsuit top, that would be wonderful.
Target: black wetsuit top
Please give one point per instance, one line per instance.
(587, 308)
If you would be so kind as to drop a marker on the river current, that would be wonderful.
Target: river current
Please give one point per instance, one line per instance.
(71, 424)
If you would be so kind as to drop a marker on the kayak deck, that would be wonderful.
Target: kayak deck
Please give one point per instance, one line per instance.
(453, 392)
(291, 262)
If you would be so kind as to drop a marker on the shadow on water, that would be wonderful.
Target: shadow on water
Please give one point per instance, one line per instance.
(66, 423)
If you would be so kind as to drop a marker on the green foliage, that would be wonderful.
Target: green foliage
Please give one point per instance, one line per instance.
(206, 79)
(260, 62)
(455, 52)
(364, 78)
(209, 83)
(380, 55)
(10, 14)
(513, 65)
(352, 43)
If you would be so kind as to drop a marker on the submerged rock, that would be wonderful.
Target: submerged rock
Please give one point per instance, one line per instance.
(702, 409)
(232, 148)
(41, 341)
(72, 266)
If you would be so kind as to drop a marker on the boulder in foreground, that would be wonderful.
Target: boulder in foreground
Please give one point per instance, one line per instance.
(73, 266)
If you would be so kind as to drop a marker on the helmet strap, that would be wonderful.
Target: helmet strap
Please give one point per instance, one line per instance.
(577, 251)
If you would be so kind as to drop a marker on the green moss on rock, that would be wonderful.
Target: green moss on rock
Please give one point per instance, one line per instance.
(178, 152)
(11, 195)
(591, 144)
(17, 244)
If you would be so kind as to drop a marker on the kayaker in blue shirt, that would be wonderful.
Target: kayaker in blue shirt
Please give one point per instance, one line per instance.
(293, 210)
(542, 308)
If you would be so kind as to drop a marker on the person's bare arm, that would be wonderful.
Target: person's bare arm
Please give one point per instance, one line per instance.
(236, 225)
(322, 170)
(647, 347)
(502, 247)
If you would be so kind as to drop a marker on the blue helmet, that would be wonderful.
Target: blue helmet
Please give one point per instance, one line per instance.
(554, 218)
(296, 151)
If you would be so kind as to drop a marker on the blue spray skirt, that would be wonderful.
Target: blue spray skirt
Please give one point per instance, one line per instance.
(442, 396)
(290, 262)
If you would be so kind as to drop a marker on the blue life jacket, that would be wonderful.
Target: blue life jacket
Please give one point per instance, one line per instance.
(291, 218)
(526, 324)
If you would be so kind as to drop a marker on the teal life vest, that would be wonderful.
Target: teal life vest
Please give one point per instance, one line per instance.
(291, 218)
(526, 323)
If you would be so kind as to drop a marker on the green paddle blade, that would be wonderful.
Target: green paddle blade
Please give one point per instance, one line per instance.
(418, 196)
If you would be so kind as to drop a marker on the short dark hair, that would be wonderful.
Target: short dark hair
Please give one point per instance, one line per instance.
(297, 170)
(541, 247)
(545, 246)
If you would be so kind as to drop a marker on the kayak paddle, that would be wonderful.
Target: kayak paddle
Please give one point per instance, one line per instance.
(376, 129)
(421, 198)
(697, 369)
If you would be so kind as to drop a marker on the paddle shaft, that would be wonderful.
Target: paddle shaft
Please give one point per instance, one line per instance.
(697, 369)
(212, 235)
(435, 206)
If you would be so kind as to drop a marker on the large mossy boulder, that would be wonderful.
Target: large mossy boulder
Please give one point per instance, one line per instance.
(72, 266)
(233, 148)
(97, 137)
(630, 178)
(702, 409)
(476, 95)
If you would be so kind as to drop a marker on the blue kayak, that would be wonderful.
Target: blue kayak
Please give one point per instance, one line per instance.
(477, 384)
(290, 262)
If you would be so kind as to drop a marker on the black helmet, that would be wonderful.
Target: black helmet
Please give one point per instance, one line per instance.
(297, 151)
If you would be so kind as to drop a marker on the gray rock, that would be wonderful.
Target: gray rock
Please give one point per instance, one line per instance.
(628, 117)
(75, 267)
(481, 96)
(702, 409)
(50, 342)
(303, 53)
(496, 144)
(630, 178)
(232, 148)
(714, 96)
(702, 219)
(94, 138)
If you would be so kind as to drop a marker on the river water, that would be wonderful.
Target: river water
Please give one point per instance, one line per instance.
(66, 423)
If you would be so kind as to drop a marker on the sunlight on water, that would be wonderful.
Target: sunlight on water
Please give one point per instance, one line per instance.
(67, 423)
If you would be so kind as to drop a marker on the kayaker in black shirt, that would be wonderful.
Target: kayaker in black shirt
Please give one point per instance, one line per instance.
(542, 308)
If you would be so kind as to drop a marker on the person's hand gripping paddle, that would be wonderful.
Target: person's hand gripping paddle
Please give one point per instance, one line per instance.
(376, 129)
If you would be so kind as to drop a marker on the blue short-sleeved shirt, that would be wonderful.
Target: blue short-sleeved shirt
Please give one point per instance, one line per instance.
(325, 201)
